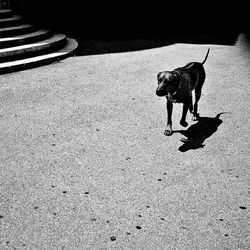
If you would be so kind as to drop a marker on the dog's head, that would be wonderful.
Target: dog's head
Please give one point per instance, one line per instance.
(168, 84)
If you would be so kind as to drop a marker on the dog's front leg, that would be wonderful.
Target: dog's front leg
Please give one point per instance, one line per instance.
(168, 130)
(186, 105)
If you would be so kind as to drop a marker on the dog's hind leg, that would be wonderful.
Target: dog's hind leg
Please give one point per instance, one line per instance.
(191, 104)
(186, 105)
(198, 94)
(197, 98)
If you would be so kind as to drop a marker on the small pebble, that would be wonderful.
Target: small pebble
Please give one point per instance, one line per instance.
(241, 207)
(93, 219)
(64, 192)
(113, 238)
(86, 193)
(159, 179)
(1, 216)
(138, 227)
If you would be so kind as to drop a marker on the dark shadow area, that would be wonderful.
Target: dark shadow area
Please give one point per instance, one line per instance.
(199, 132)
(115, 26)
(133, 42)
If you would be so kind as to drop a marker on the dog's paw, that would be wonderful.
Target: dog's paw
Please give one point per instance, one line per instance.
(195, 117)
(168, 132)
(183, 123)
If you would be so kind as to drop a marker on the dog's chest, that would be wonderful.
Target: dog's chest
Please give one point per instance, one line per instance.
(181, 96)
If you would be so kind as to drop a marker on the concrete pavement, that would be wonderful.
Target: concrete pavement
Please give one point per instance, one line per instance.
(85, 165)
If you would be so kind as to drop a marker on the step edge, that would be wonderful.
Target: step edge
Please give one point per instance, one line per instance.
(6, 53)
(38, 61)
(24, 39)
(23, 36)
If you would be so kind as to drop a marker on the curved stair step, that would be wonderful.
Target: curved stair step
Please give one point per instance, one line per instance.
(5, 13)
(11, 21)
(23, 38)
(67, 50)
(15, 30)
(26, 49)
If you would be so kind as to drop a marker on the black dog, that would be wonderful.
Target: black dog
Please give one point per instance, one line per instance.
(177, 86)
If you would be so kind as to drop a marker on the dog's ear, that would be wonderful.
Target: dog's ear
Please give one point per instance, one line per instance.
(177, 77)
(159, 75)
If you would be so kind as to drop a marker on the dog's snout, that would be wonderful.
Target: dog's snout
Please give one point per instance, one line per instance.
(161, 89)
(160, 92)
(157, 92)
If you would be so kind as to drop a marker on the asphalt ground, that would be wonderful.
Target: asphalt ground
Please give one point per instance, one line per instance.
(85, 164)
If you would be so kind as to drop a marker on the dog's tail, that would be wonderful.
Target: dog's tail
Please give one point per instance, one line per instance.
(205, 57)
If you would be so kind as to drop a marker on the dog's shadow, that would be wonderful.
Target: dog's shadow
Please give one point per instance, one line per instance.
(197, 133)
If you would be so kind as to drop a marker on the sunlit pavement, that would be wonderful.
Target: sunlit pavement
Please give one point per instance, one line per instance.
(85, 163)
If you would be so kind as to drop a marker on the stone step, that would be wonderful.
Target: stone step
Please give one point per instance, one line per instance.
(23, 45)
(23, 38)
(26, 50)
(65, 51)
(5, 13)
(11, 21)
(15, 30)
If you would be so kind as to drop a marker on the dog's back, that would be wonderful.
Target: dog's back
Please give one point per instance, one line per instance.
(198, 65)
(195, 71)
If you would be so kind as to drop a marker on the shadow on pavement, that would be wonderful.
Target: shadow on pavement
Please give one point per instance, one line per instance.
(199, 132)
(124, 43)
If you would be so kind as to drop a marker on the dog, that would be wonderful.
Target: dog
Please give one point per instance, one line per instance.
(177, 87)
